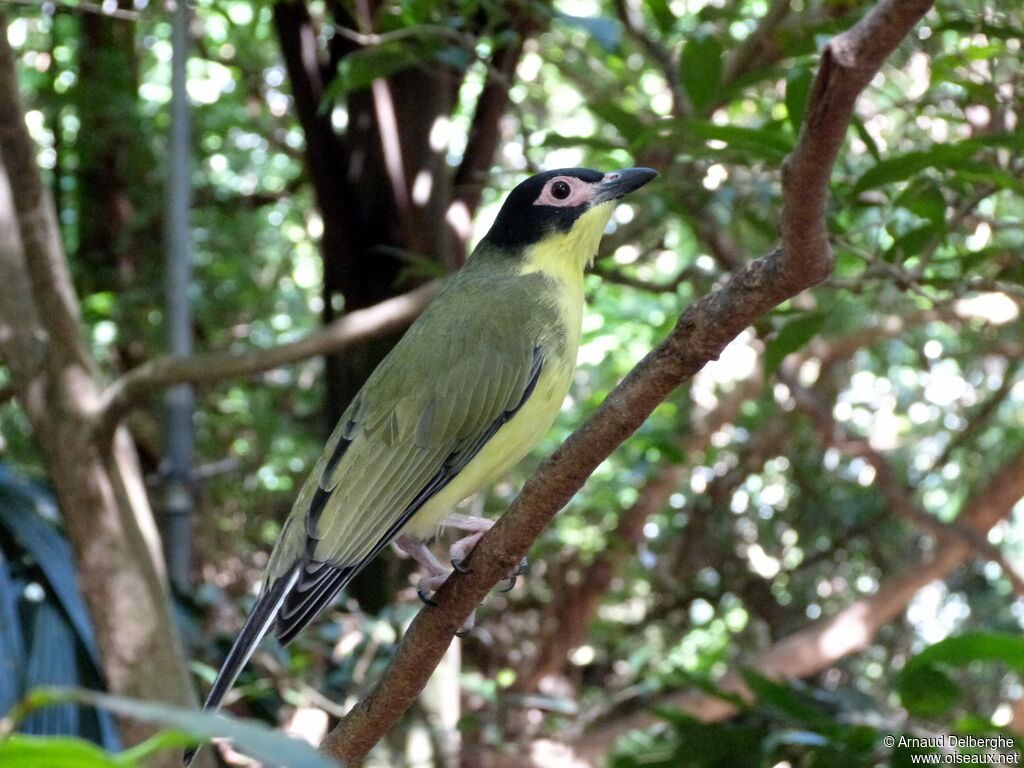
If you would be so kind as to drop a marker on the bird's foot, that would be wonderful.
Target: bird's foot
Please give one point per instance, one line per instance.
(437, 573)
(460, 550)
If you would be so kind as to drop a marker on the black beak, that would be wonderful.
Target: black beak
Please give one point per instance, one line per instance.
(620, 183)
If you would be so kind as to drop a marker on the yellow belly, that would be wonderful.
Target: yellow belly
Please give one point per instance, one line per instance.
(503, 451)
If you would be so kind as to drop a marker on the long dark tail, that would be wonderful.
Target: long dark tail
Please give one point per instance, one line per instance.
(256, 626)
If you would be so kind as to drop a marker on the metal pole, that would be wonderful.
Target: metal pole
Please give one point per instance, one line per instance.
(176, 512)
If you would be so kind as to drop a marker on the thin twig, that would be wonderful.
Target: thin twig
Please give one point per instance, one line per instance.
(99, 10)
(633, 22)
(386, 317)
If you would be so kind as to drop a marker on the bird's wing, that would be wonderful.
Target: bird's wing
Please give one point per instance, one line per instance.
(408, 433)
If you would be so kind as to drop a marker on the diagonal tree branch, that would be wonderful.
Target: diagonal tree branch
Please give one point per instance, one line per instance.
(848, 63)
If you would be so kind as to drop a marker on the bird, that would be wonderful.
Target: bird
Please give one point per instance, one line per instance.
(464, 395)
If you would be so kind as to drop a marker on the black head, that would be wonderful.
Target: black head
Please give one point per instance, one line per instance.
(551, 202)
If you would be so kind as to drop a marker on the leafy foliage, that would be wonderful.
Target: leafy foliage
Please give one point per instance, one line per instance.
(46, 637)
(185, 728)
(751, 505)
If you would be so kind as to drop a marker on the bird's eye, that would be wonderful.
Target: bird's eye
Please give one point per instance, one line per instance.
(560, 190)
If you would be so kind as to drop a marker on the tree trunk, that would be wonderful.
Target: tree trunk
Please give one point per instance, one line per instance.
(98, 485)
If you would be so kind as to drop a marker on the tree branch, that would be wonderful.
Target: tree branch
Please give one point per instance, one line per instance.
(484, 134)
(632, 20)
(804, 259)
(49, 281)
(743, 58)
(388, 316)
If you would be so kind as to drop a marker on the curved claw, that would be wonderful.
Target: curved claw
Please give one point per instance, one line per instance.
(511, 584)
(464, 632)
(426, 600)
(458, 566)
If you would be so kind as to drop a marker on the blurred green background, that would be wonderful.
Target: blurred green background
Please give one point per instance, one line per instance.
(790, 524)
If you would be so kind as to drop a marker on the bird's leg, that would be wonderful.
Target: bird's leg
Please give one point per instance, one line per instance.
(437, 574)
(459, 551)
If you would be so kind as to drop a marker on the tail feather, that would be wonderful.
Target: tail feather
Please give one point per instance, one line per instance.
(255, 628)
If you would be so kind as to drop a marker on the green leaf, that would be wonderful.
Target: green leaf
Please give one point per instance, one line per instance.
(768, 144)
(360, 68)
(900, 167)
(924, 199)
(927, 691)
(791, 336)
(556, 141)
(953, 156)
(251, 737)
(913, 242)
(783, 698)
(960, 650)
(700, 70)
(625, 122)
(18, 751)
(798, 86)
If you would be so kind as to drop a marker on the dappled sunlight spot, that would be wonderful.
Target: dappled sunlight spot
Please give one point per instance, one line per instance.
(945, 385)
(922, 413)
(935, 612)
(866, 475)
(626, 254)
(996, 308)
(583, 655)
(761, 563)
(878, 126)
(740, 502)
(700, 478)
(1003, 715)
(866, 584)
(308, 723)
(459, 220)
(314, 226)
(830, 460)
(737, 362)
(596, 350)
(208, 80)
(422, 185)
(529, 66)
(715, 176)
(545, 753)
(981, 237)
(918, 70)
(565, 157)
(440, 133)
(624, 213)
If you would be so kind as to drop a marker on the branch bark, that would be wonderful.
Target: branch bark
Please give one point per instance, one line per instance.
(804, 259)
